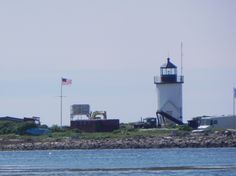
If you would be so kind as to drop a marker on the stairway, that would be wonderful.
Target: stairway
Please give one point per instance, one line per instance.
(164, 114)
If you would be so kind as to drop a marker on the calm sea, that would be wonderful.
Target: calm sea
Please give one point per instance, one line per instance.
(134, 162)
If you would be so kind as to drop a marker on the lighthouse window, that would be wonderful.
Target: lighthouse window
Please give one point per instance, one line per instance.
(169, 71)
(164, 71)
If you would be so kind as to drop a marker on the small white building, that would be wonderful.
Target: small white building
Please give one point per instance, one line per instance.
(169, 94)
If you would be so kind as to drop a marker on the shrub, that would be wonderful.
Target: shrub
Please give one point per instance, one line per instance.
(56, 128)
(185, 128)
(23, 126)
(8, 127)
(43, 126)
(116, 131)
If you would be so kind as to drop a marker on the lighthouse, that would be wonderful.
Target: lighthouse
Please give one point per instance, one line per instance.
(169, 95)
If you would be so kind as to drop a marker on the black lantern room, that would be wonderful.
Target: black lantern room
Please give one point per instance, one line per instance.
(168, 72)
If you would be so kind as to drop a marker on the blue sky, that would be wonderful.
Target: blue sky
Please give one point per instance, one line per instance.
(112, 50)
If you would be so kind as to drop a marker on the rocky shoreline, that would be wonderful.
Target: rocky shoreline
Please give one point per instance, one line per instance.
(175, 140)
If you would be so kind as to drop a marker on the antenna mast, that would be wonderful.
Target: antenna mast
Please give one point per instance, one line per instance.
(181, 48)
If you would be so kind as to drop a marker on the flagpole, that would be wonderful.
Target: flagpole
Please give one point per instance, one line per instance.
(234, 96)
(64, 81)
(61, 104)
(234, 105)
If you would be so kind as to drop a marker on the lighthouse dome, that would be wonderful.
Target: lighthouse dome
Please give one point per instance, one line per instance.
(168, 64)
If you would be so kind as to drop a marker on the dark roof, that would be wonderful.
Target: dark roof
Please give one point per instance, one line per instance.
(168, 64)
(7, 118)
(28, 119)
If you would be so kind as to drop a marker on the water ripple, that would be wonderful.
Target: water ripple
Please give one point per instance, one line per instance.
(173, 168)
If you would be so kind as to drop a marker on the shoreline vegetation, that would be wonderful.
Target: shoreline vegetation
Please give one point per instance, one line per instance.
(124, 138)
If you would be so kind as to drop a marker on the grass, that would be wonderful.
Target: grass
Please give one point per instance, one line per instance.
(117, 134)
(125, 131)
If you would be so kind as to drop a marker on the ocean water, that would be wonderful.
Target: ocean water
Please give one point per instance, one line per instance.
(134, 162)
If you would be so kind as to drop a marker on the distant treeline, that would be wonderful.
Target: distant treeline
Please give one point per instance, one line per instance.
(8, 127)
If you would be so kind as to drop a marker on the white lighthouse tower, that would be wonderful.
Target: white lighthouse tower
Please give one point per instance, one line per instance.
(169, 94)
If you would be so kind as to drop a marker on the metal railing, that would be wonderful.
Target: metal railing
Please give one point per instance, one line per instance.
(157, 79)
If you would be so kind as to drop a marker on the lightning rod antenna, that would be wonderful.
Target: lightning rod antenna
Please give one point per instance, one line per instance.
(181, 48)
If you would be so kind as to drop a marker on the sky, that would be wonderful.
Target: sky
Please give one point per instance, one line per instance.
(112, 49)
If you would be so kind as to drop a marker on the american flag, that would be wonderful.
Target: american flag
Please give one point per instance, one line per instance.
(65, 81)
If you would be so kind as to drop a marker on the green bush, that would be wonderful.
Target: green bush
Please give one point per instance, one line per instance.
(8, 127)
(76, 130)
(56, 128)
(23, 126)
(116, 131)
(43, 126)
(185, 128)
